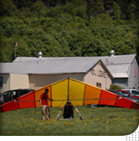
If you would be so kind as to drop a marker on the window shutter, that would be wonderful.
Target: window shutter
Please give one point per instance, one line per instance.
(134, 72)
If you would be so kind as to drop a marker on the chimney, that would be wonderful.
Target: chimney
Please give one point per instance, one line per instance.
(40, 55)
(112, 53)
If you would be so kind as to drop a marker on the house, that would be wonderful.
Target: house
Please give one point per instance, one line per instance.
(33, 72)
(124, 69)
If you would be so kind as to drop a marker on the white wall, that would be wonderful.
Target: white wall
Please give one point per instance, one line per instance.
(98, 75)
(132, 80)
(38, 81)
(18, 81)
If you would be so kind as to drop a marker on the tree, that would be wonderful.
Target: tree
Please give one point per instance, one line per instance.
(38, 8)
(69, 8)
(6, 7)
(21, 4)
(88, 9)
(116, 11)
(130, 11)
(68, 27)
(80, 11)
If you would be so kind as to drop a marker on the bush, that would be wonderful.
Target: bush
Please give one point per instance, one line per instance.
(115, 87)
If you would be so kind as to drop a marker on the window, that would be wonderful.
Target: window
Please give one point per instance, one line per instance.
(23, 92)
(98, 85)
(125, 94)
(7, 94)
(1, 81)
(135, 92)
(134, 72)
(14, 94)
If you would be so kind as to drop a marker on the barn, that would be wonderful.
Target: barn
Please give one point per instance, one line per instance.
(100, 71)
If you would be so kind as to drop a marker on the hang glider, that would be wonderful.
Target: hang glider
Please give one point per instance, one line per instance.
(78, 92)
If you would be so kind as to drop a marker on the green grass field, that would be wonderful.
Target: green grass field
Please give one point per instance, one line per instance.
(97, 121)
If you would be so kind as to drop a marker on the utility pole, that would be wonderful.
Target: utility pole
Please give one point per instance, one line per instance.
(15, 45)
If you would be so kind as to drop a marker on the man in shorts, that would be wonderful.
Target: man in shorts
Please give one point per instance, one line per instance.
(44, 105)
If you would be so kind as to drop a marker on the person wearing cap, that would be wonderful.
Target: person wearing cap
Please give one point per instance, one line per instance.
(44, 105)
(68, 111)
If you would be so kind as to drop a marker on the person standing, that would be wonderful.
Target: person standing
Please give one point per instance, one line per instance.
(44, 105)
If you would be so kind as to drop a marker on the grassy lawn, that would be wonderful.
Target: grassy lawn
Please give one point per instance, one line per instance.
(97, 121)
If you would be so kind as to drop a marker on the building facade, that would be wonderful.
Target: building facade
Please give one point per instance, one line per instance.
(34, 73)
(125, 70)
(94, 73)
(14, 81)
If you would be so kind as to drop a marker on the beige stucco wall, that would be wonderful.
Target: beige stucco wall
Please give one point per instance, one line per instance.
(18, 81)
(38, 81)
(92, 77)
(98, 75)
(6, 82)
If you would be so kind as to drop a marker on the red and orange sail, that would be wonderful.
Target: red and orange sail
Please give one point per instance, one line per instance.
(79, 93)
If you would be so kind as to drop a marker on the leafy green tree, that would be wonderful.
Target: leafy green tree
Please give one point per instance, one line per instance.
(68, 27)
(70, 9)
(130, 11)
(23, 49)
(6, 7)
(21, 4)
(80, 11)
(38, 8)
(116, 11)
(88, 9)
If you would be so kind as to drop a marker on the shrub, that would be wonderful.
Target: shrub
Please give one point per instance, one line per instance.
(115, 87)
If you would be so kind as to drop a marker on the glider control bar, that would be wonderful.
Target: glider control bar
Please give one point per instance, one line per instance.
(69, 99)
(90, 99)
(25, 100)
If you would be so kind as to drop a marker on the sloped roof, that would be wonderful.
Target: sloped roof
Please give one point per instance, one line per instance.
(118, 59)
(118, 65)
(49, 66)
(109, 60)
(119, 71)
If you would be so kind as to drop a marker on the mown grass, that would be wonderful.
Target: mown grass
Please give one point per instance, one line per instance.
(97, 121)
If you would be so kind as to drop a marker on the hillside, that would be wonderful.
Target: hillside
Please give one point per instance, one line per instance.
(68, 27)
